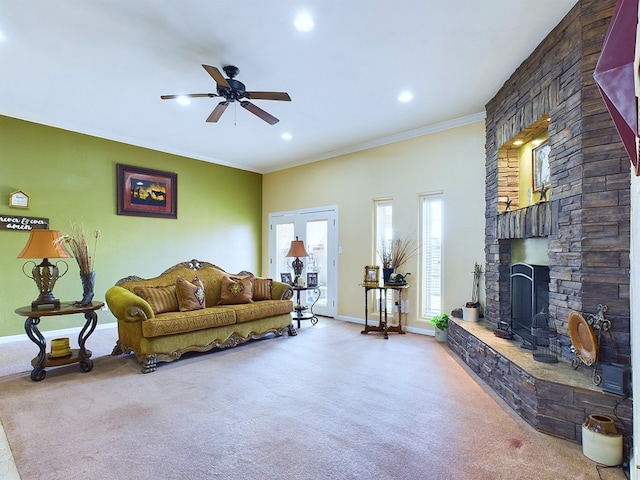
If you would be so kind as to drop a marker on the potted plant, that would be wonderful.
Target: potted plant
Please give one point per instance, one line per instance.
(441, 322)
(470, 311)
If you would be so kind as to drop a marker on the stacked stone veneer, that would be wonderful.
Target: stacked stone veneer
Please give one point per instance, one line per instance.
(548, 406)
(589, 240)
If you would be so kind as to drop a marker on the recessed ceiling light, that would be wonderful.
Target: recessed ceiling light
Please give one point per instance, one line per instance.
(405, 97)
(182, 100)
(303, 22)
(286, 136)
(517, 143)
(536, 142)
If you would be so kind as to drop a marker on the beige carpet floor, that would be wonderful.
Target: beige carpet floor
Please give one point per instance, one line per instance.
(328, 404)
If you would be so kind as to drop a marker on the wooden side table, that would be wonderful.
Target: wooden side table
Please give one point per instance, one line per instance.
(78, 355)
(383, 325)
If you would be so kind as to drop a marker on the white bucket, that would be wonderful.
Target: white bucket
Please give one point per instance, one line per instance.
(470, 314)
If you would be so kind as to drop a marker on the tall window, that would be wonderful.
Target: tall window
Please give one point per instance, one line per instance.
(384, 238)
(431, 254)
(383, 226)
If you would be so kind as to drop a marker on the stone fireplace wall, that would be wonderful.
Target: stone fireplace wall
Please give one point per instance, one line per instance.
(589, 201)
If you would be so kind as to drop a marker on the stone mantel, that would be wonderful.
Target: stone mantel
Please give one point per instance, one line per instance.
(528, 222)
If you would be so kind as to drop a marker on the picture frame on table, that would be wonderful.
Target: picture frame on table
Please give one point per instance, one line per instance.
(286, 278)
(312, 280)
(144, 192)
(540, 163)
(371, 274)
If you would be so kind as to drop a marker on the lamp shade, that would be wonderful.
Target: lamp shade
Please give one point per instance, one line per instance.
(297, 249)
(43, 244)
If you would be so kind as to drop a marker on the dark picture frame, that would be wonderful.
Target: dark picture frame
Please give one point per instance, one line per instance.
(540, 166)
(144, 192)
(286, 278)
(312, 279)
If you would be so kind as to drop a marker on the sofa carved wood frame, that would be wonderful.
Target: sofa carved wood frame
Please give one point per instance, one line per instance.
(150, 361)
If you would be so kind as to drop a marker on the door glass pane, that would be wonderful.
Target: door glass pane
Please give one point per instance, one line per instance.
(284, 236)
(317, 259)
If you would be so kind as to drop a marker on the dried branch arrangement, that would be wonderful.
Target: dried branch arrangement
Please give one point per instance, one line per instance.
(77, 240)
(396, 253)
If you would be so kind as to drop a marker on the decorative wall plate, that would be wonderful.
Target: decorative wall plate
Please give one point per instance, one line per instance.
(582, 338)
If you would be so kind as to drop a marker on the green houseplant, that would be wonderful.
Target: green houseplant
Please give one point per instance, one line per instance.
(441, 322)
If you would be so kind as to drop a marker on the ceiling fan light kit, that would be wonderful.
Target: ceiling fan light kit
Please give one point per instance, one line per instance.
(231, 90)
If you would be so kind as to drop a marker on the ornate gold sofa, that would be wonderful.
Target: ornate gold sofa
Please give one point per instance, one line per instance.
(195, 306)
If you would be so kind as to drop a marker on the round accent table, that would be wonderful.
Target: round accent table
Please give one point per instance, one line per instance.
(78, 355)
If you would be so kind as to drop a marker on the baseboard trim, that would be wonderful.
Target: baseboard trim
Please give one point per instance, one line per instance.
(419, 331)
(53, 333)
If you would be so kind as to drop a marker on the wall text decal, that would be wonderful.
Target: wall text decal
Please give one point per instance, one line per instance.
(14, 222)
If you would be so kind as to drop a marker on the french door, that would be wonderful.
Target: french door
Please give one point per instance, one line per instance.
(317, 229)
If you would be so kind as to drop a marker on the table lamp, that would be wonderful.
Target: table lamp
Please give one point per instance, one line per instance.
(297, 250)
(43, 244)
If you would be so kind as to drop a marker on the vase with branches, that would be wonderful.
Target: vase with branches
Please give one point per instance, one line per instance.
(394, 254)
(77, 240)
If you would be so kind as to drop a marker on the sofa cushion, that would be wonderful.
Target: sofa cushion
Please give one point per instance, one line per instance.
(263, 309)
(236, 290)
(161, 298)
(262, 288)
(190, 295)
(180, 322)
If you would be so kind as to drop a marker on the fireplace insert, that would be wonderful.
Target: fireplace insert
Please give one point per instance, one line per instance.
(529, 296)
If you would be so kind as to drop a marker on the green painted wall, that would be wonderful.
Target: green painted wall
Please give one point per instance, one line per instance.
(72, 177)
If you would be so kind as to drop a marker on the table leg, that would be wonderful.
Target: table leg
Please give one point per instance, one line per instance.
(31, 327)
(86, 364)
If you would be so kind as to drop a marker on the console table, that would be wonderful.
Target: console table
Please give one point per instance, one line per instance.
(305, 312)
(78, 355)
(383, 325)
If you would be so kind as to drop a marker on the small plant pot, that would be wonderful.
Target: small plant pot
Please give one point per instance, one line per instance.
(470, 314)
(441, 335)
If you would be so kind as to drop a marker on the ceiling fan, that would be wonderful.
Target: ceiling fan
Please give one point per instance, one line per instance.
(232, 90)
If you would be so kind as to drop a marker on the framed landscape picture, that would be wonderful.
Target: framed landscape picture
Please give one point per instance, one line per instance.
(144, 192)
(541, 172)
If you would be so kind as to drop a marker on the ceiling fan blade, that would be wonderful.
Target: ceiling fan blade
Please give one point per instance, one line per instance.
(269, 96)
(217, 112)
(216, 75)
(267, 117)
(189, 95)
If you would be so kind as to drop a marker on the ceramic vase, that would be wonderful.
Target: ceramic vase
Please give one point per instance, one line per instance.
(88, 282)
(601, 441)
(386, 274)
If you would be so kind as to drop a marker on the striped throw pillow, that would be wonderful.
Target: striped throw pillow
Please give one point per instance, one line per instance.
(162, 299)
(262, 288)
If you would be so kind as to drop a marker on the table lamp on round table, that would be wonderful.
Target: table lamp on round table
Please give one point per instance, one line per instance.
(43, 244)
(297, 250)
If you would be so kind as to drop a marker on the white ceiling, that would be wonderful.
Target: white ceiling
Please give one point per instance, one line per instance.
(99, 67)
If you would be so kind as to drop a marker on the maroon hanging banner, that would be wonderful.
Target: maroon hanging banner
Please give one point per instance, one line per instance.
(615, 76)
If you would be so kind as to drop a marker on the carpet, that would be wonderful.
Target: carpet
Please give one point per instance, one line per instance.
(329, 403)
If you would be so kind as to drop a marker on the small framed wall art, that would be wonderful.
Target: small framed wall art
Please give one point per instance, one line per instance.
(18, 199)
(312, 280)
(541, 172)
(371, 275)
(144, 192)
